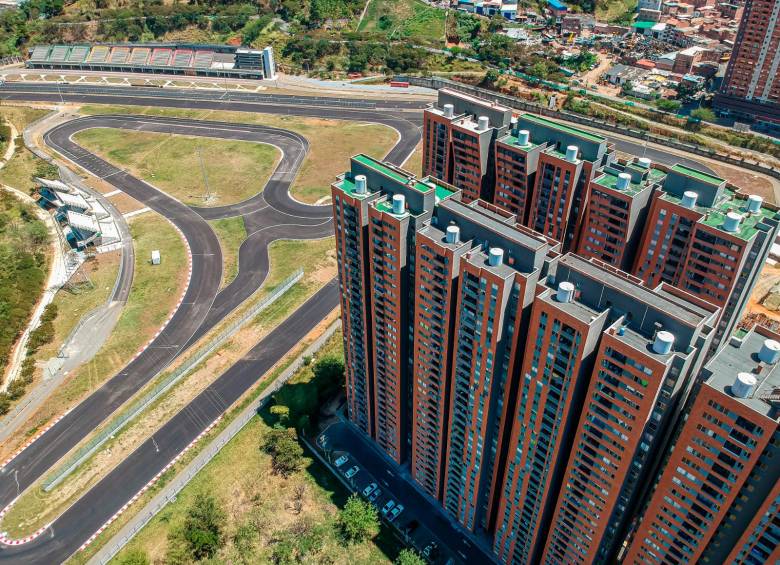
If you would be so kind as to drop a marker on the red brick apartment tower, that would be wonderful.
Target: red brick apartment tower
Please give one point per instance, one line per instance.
(497, 266)
(388, 228)
(760, 542)
(555, 369)
(751, 86)
(516, 161)
(458, 136)
(704, 239)
(616, 211)
(723, 467)
(564, 170)
(573, 414)
(633, 398)
(350, 221)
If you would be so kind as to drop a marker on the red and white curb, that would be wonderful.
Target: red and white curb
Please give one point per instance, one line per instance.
(148, 485)
(29, 442)
(137, 354)
(5, 540)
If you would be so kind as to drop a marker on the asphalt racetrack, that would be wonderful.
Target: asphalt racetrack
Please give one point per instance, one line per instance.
(270, 215)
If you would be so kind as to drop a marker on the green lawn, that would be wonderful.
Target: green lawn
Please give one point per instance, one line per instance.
(240, 477)
(18, 172)
(231, 233)
(615, 10)
(232, 170)
(331, 142)
(404, 19)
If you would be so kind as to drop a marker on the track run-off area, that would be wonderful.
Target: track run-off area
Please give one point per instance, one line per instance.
(270, 215)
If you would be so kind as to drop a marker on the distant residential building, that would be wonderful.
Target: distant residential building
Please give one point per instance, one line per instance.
(751, 87)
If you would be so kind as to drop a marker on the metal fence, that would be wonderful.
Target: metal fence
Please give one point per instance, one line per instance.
(141, 404)
(169, 492)
(514, 102)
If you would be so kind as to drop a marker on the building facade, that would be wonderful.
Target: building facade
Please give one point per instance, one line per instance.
(751, 86)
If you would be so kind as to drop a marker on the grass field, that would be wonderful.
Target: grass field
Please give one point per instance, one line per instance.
(234, 170)
(18, 172)
(404, 19)
(155, 291)
(331, 142)
(414, 163)
(241, 479)
(614, 10)
(231, 233)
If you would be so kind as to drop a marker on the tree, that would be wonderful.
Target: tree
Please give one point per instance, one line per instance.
(203, 527)
(358, 520)
(703, 114)
(668, 105)
(285, 451)
(134, 557)
(409, 557)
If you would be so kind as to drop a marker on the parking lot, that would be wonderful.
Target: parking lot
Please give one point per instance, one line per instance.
(417, 519)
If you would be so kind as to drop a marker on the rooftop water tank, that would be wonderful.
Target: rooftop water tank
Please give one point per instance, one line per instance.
(449, 110)
(644, 162)
(571, 153)
(770, 351)
(496, 256)
(689, 198)
(663, 342)
(731, 223)
(399, 204)
(360, 184)
(754, 203)
(483, 123)
(624, 179)
(744, 385)
(565, 292)
(453, 234)
(523, 137)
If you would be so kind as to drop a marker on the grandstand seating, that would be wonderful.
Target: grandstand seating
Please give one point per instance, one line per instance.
(140, 56)
(119, 55)
(161, 57)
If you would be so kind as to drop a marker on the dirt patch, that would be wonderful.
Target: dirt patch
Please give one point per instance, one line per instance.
(125, 203)
(747, 181)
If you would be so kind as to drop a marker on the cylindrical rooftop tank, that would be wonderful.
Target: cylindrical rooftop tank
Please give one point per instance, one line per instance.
(770, 351)
(689, 198)
(495, 256)
(624, 179)
(731, 223)
(453, 234)
(754, 203)
(449, 110)
(565, 292)
(663, 342)
(644, 162)
(360, 184)
(399, 204)
(483, 123)
(523, 137)
(571, 153)
(744, 385)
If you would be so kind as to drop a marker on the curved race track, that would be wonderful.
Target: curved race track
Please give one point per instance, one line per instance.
(268, 216)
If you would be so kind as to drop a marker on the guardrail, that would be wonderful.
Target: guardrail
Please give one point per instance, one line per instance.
(170, 491)
(436, 83)
(141, 404)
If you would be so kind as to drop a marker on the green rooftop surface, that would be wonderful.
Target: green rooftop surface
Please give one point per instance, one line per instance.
(387, 207)
(348, 186)
(388, 172)
(564, 128)
(510, 139)
(716, 215)
(710, 179)
(643, 24)
(610, 177)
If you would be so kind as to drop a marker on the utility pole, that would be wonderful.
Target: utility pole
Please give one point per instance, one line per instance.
(207, 196)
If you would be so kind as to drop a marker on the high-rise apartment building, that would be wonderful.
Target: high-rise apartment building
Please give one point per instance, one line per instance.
(377, 209)
(751, 86)
(603, 354)
(706, 239)
(616, 212)
(716, 499)
(458, 137)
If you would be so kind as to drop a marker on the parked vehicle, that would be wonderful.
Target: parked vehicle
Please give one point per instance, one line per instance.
(351, 472)
(395, 512)
(388, 507)
(341, 460)
(374, 495)
(369, 489)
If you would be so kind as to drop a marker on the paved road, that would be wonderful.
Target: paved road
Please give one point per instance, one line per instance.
(196, 313)
(87, 514)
